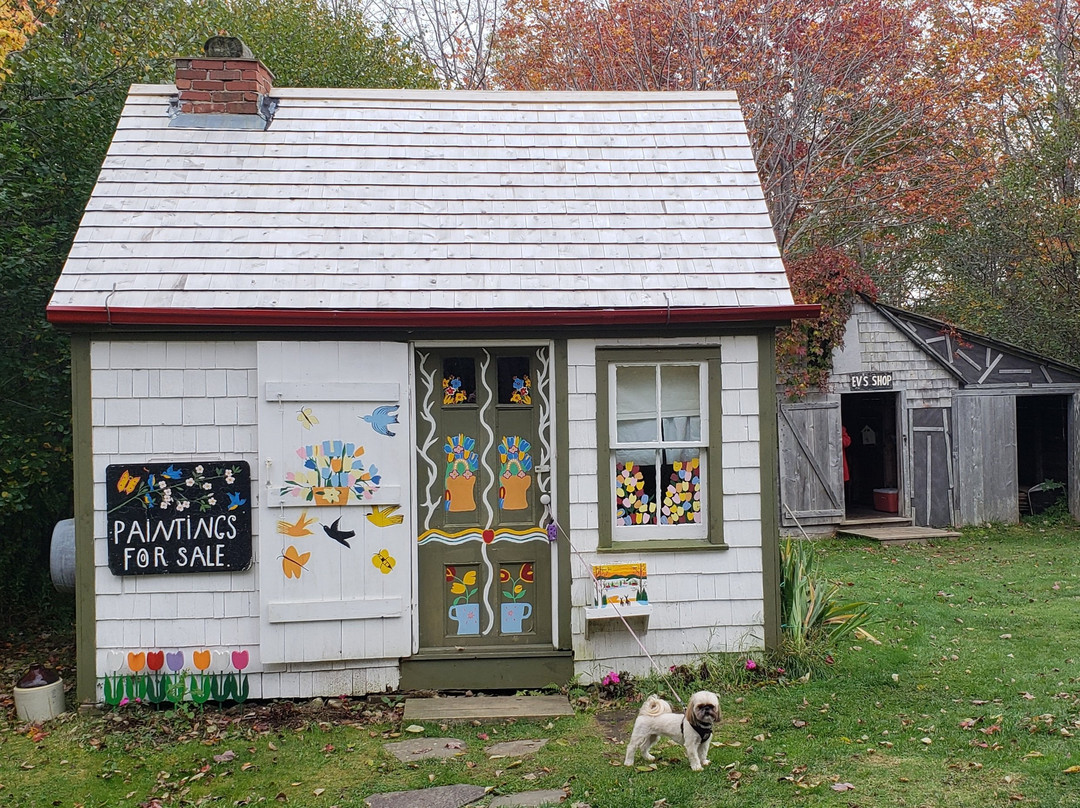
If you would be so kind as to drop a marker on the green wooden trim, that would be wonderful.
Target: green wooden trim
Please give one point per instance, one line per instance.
(661, 546)
(769, 460)
(513, 669)
(83, 467)
(561, 479)
(714, 361)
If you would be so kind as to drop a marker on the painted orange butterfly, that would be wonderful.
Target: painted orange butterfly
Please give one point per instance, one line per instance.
(292, 562)
(383, 561)
(127, 482)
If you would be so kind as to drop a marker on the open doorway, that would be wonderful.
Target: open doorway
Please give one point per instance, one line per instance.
(1042, 450)
(872, 487)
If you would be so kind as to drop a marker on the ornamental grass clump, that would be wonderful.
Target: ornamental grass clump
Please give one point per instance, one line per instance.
(814, 618)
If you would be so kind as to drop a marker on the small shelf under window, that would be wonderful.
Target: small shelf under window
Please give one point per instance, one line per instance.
(636, 614)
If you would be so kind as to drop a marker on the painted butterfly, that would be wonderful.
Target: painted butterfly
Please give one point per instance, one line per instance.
(383, 561)
(127, 482)
(292, 562)
(305, 417)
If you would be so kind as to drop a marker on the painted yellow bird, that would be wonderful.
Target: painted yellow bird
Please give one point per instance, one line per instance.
(381, 517)
(297, 528)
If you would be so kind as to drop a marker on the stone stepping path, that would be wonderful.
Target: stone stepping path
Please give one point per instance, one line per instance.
(424, 748)
(529, 799)
(485, 708)
(437, 797)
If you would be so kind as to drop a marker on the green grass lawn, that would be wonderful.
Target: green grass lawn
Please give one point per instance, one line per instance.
(971, 699)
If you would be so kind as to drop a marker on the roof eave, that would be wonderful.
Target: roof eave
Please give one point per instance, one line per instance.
(92, 316)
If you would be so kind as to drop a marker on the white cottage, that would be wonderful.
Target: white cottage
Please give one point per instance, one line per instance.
(386, 389)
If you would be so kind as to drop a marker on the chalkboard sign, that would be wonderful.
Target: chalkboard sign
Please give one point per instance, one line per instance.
(179, 517)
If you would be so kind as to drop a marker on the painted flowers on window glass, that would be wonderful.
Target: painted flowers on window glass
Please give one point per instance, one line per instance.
(452, 390)
(632, 505)
(682, 497)
(521, 394)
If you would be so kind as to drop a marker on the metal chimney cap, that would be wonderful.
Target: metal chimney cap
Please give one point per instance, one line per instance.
(227, 47)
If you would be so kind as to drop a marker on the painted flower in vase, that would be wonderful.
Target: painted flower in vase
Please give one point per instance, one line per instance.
(517, 588)
(632, 505)
(514, 478)
(464, 587)
(682, 497)
(462, 463)
(333, 474)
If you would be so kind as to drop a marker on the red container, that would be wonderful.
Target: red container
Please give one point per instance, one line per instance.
(886, 499)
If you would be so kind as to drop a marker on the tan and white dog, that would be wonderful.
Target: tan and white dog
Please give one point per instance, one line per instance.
(692, 728)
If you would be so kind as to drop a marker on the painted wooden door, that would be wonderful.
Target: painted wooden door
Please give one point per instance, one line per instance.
(335, 524)
(933, 483)
(483, 476)
(811, 467)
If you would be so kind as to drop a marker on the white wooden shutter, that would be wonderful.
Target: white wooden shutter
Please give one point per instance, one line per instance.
(343, 603)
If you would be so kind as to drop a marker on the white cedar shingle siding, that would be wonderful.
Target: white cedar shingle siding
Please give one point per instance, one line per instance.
(364, 199)
(701, 601)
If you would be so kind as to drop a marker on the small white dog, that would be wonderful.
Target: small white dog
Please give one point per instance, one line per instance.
(692, 728)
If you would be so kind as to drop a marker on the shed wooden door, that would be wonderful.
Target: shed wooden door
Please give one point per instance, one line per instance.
(986, 458)
(811, 466)
(483, 464)
(933, 483)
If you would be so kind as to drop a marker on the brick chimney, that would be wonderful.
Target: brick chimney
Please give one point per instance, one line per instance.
(227, 79)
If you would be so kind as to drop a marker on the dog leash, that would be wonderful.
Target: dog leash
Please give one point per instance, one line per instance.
(588, 568)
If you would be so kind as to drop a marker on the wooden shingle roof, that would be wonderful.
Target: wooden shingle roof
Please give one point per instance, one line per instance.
(396, 207)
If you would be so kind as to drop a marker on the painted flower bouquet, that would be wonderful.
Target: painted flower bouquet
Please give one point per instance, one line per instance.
(333, 474)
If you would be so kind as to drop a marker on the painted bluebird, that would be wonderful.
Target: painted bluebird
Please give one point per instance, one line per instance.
(381, 419)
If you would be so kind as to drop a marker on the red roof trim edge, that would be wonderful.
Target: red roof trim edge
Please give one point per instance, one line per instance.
(413, 319)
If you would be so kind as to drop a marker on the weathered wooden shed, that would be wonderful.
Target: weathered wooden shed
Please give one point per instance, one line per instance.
(946, 427)
(419, 389)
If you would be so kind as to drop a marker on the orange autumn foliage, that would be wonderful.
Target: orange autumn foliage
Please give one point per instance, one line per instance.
(865, 116)
(19, 19)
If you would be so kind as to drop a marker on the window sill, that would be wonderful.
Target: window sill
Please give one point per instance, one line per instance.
(660, 546)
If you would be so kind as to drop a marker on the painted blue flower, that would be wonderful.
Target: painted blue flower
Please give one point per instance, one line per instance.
(235, 501)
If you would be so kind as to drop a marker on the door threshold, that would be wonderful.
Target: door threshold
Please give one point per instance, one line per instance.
(487, 668)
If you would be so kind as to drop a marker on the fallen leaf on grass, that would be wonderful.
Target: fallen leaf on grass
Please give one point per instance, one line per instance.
(798, 723)
(225, 756)
(318, 792)
(414, 728)
(246, 766)
(650, 768)
(842, 787)
(990, 730)
(1027, 696)
(968, 723)
(1071, 770)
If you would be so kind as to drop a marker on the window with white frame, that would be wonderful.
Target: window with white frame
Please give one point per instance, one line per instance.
(656, 477)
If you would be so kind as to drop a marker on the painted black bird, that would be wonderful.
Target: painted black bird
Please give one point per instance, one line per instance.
(340, 536)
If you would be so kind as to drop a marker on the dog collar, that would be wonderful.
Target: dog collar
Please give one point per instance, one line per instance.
(703, 732)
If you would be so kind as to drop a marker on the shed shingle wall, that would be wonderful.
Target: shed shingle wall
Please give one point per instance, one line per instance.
(198, 400)
(701, 601)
